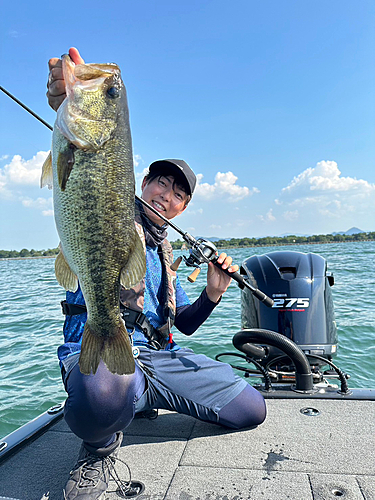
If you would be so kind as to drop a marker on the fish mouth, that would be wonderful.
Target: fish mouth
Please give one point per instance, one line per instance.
(77, 121)
(86, 75)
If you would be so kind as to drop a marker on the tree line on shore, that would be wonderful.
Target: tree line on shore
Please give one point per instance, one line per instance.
(226, 243)
(25, 253)
(286, 240)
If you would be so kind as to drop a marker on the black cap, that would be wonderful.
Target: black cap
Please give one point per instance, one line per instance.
(179, 169)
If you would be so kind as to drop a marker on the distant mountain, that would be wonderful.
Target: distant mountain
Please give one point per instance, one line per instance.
(292, 234)
(213, 238)
(349, 232)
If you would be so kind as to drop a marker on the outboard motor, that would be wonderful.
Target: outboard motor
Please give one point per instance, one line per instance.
(300, 287)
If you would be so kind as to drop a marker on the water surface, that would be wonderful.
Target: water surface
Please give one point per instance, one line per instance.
(31, 324)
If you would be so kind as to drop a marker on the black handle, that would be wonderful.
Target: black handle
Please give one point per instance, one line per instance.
(244, 283)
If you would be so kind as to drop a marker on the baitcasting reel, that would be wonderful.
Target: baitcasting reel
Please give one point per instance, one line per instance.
(202, 252)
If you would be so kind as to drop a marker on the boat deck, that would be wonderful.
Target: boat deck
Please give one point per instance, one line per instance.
(291, 456)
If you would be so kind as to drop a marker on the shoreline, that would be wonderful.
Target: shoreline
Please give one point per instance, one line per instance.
(294, 244)
(219, 248)
(31, 257)
(283, 244)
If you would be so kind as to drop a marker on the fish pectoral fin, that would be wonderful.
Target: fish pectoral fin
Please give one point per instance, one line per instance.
(64, 274)
(115, 350)
(47, 174)
(135, 268)
(65, 162)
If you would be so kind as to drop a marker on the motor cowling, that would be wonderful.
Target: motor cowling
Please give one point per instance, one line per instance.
(300, 287)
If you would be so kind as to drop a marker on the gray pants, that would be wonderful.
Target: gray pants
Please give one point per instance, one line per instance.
(99, 405)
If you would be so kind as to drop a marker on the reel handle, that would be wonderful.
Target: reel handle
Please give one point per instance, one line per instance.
(194, 275)
(243, 283)
(176, 264)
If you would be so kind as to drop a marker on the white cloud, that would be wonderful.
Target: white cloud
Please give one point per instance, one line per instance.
(20, 172)
(141, 175)
(14, 33)
(240, 223)
(224, 185)
(137, 160)
(326, 176)
(324, 191)
(269, 217)
(291, 215)
(198, 211)
(44, 205)
(20, 177)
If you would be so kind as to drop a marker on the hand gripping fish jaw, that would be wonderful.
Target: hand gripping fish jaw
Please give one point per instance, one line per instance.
(204, 251)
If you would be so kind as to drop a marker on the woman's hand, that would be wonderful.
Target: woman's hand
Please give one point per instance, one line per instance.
(56, 84)
(217, 281)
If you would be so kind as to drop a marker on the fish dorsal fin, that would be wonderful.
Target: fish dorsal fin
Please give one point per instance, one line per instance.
(135, 268)
(64, 274)
(47, 174)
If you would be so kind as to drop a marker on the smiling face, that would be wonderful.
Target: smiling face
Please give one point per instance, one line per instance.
(165, 195)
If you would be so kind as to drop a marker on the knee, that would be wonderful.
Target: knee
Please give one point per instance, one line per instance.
(100, 400)
(256, 408)
(248, 409)
(93, 392)
(259, 411)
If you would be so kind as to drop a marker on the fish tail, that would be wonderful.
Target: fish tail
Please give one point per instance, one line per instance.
(115, 350)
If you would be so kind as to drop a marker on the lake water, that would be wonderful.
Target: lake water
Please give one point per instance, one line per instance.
(31, 324)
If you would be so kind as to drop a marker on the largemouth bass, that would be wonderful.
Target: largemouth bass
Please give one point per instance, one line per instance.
(91, 170)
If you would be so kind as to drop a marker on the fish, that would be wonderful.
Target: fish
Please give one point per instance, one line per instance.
(90, 169)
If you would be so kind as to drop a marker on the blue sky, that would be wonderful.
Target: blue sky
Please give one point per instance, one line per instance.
(271, 103)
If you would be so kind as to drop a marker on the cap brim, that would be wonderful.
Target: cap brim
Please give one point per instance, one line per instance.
(166, 167)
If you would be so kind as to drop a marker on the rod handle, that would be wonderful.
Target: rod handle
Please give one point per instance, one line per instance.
(194, 275)
(244, 283)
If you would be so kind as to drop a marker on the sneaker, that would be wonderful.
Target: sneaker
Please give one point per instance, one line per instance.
(90, 476)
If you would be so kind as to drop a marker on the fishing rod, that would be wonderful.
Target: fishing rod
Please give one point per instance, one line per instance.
(201, 250)
(26, 108)
(204, 251)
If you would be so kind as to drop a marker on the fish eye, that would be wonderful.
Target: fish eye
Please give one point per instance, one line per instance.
(113, 92)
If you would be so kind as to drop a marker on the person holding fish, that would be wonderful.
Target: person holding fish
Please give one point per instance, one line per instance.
(106, 385)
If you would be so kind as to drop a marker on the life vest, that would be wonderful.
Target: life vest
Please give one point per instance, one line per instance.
(133, 298)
